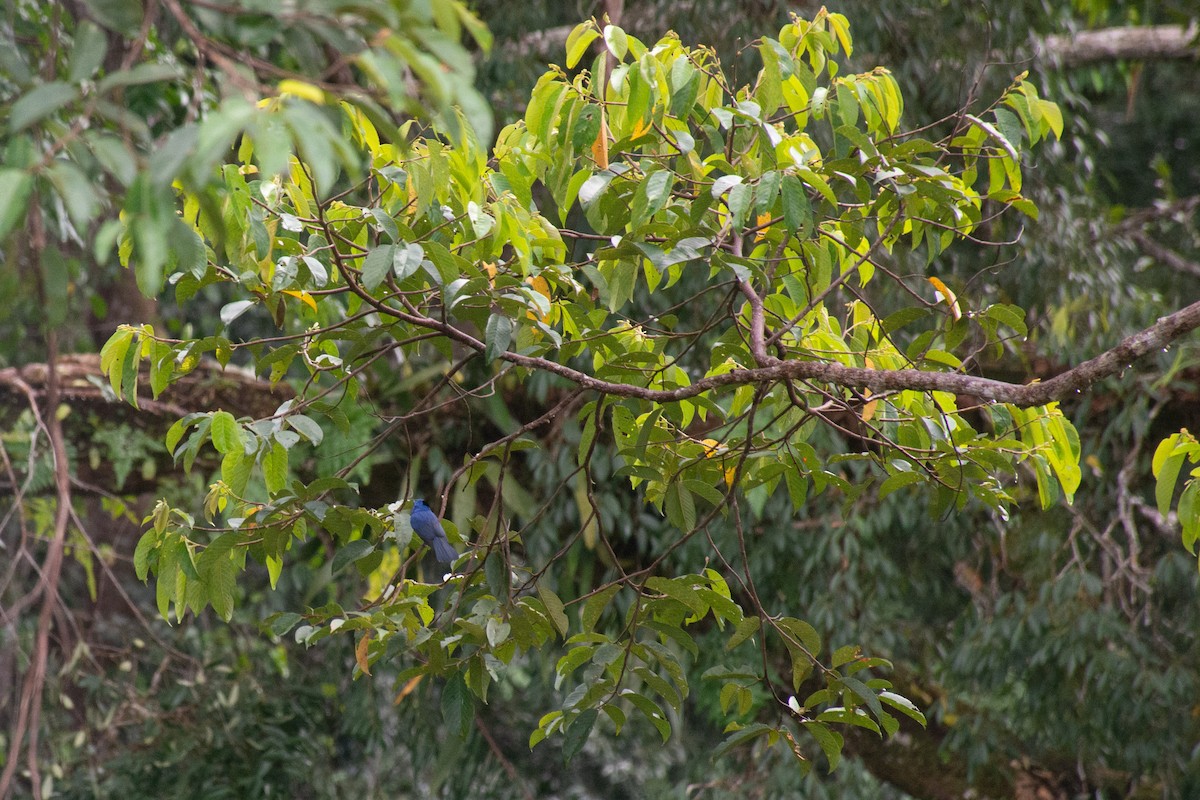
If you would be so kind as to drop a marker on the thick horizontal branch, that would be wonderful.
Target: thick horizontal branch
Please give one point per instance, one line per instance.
(1136, 42)
(1166, 330)
(1156, 337)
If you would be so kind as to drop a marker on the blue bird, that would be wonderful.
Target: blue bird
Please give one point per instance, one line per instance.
(427, 526)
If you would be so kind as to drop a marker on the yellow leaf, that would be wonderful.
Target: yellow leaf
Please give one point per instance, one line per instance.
(412, 684)
(600, 146)
(360, 653)
(303, 296)
(640, 128)
(868, 409)
(761, 222)
(542, 287)
(710, 447)
(947, 297)
(305, 91)
(730, 475)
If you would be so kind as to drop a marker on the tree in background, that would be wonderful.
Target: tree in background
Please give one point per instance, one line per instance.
(683, 258)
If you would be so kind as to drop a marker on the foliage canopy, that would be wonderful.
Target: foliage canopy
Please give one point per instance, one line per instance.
(631, 192)
(669, 319)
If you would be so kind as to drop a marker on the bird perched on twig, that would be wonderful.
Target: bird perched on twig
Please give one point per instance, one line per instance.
(429, 528)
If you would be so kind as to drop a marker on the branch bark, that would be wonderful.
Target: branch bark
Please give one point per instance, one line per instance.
(1166, 330)
(1137, 42)
(1111, 362)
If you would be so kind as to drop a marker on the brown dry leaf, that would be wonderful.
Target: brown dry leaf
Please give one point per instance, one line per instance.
(600, 146)
(360, 653)
(947, 297)
(412, 684)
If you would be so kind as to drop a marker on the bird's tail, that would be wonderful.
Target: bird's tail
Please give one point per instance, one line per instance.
(443, 552)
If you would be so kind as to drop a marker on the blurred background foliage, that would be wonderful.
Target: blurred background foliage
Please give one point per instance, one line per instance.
(1054, 651)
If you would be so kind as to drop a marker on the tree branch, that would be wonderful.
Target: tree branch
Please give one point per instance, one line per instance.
(1166, 330)
(1111, 362)
(1138, 42)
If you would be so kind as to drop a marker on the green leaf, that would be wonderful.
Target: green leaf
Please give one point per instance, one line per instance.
(797, 210)
(221, 585)
(651, 711)
(622, 281)
(739, 204)
(349, 553)
(137, 75)
(217, 572)
(458, 710)
(651, 196)
(1052, 116)
(897, 481)
(307, 428)
(554, 608)
(578, 732)
(377, 265)
(88, 52)
(119, 16)
(1009, 130)
(748, 627)
(595, 605)
(39, 103)
(845, 716)
(226, 433)
(722, 607)
(574, 659)
(617, 716)
(660, 686)
(1189, 515)
(497, 336)
(903, 705)
(284, 622)
(231, 311)
(168, 567)
(235, 470)
(578, 41)
(681, 507)
(141, 554)
(724, 184)
(586, 128)
(1168, 474)
(75, 188)
(865, 695)
(677, 589)
(275, 467)
(497, 632)
(176, 431)
(16, 185)
(407, 260)
(162, 364)
(844, 655)
(617, 41)
(831, 741)
(742, 736)
(803, 633)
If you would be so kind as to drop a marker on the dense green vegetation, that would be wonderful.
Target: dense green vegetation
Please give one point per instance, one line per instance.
(731, 371)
